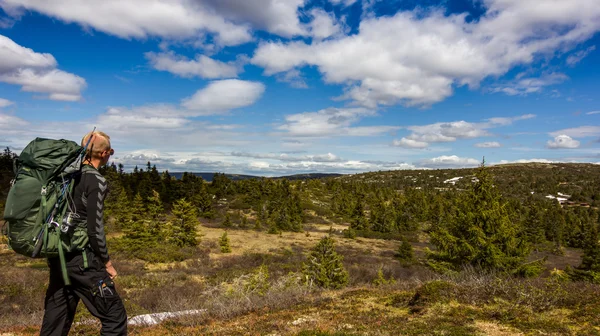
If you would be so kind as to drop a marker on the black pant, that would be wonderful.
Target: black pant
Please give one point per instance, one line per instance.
(61, 300)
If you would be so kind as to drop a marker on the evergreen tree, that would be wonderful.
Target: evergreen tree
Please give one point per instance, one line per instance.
(244, 221)
(358, 220)
(184, 225)
(405, 252)
(480, 232)
(224, 243)
(589, 269)
(154, 206)
(324, 266)
(138, 208)
(227, 221)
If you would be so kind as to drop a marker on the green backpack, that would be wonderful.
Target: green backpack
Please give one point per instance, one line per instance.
(39, 199)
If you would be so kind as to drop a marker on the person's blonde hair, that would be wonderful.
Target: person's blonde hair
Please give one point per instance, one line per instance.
(100, 142)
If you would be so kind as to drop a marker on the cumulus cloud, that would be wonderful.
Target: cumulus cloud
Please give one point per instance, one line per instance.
(274, 16)
(331, 122)
(409, 143)
(5, 102)
(527, 161)
(290, 158)
(323, 24)
(492, 144)
(177, 19)
(448, 161)
(422, 136)
(202, 66)
(224, 95)
(438, 51)
(144, 118)
(231, 22)
(578, 132)
(562, 141)
(36, 72)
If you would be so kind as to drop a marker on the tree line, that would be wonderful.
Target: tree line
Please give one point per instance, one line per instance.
(482, 221)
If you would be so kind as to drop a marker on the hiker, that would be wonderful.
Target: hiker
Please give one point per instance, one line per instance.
(90, 272)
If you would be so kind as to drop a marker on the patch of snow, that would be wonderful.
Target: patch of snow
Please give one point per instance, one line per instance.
(563, 195)
(156, 318)
(551, 197)
(453, 180)
(532, 192)
(561, 199)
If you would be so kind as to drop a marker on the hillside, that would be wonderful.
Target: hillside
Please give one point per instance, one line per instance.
(385, 227)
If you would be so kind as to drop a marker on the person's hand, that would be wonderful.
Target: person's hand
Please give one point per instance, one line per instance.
(112, 272)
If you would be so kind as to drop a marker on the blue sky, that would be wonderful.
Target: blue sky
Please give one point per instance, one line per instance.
(272, 87)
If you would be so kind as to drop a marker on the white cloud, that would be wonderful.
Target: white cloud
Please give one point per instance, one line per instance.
(346, 3)
(449, 161)
(5, 102)
(578, 56)
(8, 122)
(224, 95)
(36, 72)
(593, 112)
(421, 136)
(492, 144)
(294, 78)
(230, 21)
(579, 132)
(177, 19)
(323, 24)
(331, 122)
(409, 143)
(275, 16)
(526, 161)
(437, 51)
(329, 157)
(202, 66)
(524, 86)
(562, 141)
(145, 118)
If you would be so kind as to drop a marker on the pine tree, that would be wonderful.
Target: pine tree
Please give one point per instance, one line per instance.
(138, 208)
(589, 269)
(324, 266)
(405, 252)
(358, 220)
(481, 232)
(243, 222)
(184, 225)
(224, 243)
(227, 221)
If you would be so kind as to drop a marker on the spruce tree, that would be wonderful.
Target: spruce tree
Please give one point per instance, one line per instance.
(405, 252)
(244, 221)
(324, 266)
(227, 221)
(480, 232)
(358, 220)
(224, 243)
(184, 224)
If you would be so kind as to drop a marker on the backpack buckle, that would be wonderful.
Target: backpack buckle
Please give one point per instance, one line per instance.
(44, 191)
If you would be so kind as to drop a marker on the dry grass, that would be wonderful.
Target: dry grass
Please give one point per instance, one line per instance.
(238, 302)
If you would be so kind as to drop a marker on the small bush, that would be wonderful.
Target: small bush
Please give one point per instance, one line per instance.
(324, 266)
(224, 243)
(405, 253)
